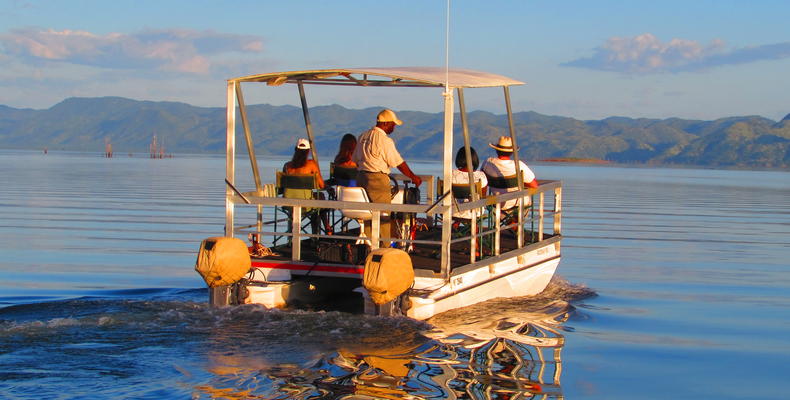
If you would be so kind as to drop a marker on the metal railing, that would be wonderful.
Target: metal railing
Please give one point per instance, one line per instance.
(541, 220)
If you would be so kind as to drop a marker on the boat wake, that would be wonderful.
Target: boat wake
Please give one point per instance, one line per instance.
(177, 347)
(503, 348)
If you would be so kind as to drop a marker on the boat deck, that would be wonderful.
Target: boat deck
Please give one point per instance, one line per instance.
(423, 256)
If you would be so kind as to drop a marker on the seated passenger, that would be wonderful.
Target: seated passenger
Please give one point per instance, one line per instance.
(461, 176)
(301, 164)
(502, 166)
(345, 169)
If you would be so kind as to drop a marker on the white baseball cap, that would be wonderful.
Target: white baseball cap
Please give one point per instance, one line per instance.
(302, 144)
(387, 115)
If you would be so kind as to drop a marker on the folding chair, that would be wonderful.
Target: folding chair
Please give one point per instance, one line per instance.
(504, 184)
(462, 223)
(300, 186)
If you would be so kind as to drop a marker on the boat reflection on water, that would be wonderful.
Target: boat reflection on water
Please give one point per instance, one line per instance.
(501, 349)
(504, 353)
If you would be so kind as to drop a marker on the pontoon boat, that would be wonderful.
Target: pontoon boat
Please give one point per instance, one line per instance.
(455, 263)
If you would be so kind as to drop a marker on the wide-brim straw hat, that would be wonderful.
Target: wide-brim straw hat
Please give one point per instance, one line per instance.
(504, 144)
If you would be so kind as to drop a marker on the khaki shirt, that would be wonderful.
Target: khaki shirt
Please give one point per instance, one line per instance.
(376, 152)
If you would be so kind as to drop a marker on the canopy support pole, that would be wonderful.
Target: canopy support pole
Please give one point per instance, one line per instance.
(308, 126)
(467, 144)
(470, 169)
(230, 155)
(448, 178)
(520, 178)
(248, 137)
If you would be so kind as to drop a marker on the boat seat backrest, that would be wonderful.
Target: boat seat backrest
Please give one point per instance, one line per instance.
(296, 186)
(499, 184)
(358, 194)
(461, 190)
(343, 176)
(502, 182)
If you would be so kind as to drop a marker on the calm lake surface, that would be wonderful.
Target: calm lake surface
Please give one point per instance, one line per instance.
(674, 283)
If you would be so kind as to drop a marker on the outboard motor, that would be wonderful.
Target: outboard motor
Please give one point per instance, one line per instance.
(222, 261)
(388, 274)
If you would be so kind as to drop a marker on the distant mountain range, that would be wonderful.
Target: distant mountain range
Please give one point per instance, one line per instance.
(84, 124)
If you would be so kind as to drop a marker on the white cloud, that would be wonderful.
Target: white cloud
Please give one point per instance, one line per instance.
(179, 50)
(646, 54)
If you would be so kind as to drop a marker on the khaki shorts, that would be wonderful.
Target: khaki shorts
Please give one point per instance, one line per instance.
(377, 184)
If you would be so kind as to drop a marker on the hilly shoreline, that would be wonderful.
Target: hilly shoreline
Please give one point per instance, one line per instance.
(86, 124)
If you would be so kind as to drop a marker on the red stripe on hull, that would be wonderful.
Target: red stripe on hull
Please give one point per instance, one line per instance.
(308, 267)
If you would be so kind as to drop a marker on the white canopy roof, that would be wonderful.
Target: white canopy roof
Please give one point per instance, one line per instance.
(390, 76)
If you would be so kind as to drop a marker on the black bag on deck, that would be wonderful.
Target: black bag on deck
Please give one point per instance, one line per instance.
(343, 252)
(411, 195)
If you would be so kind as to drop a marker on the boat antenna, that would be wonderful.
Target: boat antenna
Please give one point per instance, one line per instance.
(447, 51)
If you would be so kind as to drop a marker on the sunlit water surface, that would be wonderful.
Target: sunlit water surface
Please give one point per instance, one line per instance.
(673, 283)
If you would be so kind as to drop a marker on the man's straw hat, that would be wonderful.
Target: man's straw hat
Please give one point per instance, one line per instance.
(504, 144)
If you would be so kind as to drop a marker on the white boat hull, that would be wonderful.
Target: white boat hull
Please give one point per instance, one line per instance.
(523, 275)
(526, 282)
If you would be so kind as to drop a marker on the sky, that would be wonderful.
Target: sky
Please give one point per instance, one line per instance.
(585, 59)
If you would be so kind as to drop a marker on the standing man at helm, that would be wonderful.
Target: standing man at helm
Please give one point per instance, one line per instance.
(375, 155)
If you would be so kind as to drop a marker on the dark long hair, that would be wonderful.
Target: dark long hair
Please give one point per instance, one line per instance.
(347, 146)
(300, 158)
(460, 158)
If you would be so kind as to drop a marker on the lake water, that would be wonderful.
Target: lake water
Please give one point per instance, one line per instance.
(674, 283)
